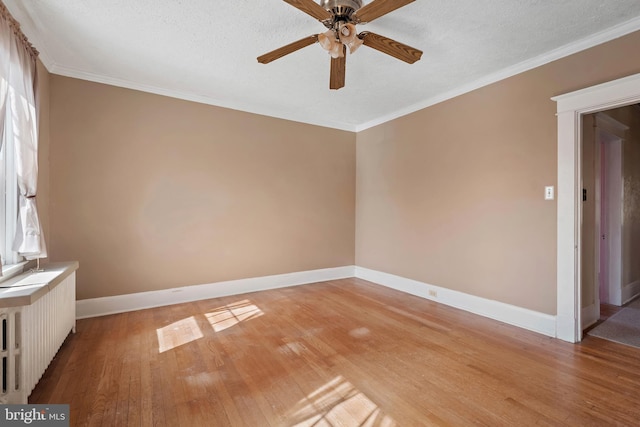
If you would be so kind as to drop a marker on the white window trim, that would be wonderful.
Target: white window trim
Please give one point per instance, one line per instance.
(9, 271)
(12, 262)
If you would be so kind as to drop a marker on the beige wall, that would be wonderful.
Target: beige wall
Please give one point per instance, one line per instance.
(150, 192)
(43, 198)
(453, 195)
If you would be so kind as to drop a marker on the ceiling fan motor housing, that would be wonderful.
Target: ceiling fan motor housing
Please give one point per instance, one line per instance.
(341, 9)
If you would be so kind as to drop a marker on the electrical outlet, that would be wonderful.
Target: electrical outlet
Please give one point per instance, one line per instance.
(433, 293)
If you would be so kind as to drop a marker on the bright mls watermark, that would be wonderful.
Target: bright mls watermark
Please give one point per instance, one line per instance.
(34, 415)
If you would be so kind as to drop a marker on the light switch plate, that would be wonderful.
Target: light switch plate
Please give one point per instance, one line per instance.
(549, 193)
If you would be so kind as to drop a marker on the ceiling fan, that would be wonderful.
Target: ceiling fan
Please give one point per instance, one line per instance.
(341, 18)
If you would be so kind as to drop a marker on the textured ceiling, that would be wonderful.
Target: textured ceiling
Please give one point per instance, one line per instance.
(206, 50)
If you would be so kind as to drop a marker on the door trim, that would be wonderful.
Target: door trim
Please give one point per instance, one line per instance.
(570, 108)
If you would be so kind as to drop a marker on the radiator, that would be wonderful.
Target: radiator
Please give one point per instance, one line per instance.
(31, 337)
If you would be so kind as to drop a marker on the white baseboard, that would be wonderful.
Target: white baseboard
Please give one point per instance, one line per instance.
(138, 301)
(513, 315)
(528, 319)
(630, 291)
(590, 315)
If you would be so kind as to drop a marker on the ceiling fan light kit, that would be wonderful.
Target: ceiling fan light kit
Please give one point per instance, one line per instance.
(329, 43)
(349, 37)
(341, 18)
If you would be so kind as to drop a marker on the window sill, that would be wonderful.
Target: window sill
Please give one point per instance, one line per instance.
(26, 288)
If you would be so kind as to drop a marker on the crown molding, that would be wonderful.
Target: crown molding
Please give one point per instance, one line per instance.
(247, 108)
(559, 53)
(34, 29)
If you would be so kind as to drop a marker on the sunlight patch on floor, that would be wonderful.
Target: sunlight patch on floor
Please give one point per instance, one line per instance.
(178, 333)
(359, 332)
(338, 403)
(292, 348)
(231, 314)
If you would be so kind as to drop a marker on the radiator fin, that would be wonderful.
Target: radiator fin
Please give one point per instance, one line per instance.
(31, 337)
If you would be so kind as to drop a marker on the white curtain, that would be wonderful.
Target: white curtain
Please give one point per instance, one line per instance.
(6, 33)
(18, 103)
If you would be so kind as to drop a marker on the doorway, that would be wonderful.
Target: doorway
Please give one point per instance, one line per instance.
(602, 209)
(571, 108)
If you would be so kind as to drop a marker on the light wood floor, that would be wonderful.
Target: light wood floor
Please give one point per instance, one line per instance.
(340, 353)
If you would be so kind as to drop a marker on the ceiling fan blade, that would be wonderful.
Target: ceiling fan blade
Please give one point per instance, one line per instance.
(338, 70)
(310, 7)
(285, 50)
(378, 8)
(391, 47)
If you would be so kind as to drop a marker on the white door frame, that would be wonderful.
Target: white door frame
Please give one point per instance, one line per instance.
(570, 108)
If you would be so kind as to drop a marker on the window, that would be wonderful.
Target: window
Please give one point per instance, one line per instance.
(19, 221)
(8, 197)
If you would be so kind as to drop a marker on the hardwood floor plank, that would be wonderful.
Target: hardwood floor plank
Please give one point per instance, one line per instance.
(82, 388)
(215, 387)
(344, 352)
(108, 387)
